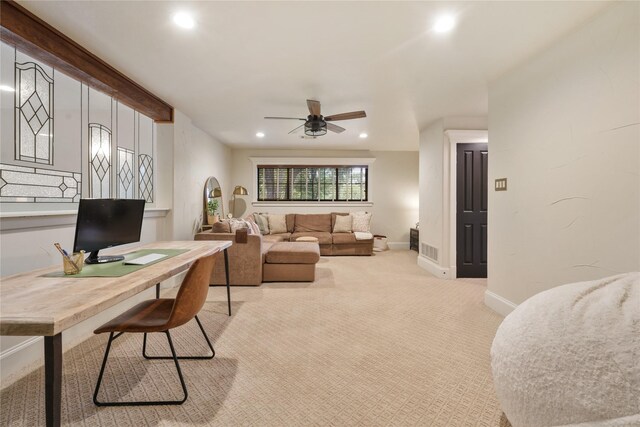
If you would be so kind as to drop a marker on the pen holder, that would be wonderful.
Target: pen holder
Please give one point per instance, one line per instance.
(78, 258)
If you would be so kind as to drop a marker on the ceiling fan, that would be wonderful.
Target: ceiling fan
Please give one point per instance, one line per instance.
(316, 124)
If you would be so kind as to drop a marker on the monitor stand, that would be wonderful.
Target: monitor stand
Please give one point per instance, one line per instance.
(93, 258)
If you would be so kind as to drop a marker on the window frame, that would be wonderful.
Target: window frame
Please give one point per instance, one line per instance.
(311, 162)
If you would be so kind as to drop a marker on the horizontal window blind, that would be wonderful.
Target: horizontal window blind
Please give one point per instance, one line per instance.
(312, 183)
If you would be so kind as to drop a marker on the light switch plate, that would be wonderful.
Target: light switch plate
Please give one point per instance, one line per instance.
(501, 184)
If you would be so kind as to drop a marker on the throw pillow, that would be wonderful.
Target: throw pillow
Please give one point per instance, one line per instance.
(343, 224)
(361, 222)
(221, 227)
(253, 227)
(263, 222)
(277, 224)
(237, 224)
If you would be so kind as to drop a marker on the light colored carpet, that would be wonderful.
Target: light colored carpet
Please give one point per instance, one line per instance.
(374, 341)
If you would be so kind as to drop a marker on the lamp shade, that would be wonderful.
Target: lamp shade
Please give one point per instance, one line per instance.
(216, 192)
(240, 191)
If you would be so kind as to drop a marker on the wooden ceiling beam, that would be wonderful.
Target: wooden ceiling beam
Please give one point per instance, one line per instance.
(33, 36)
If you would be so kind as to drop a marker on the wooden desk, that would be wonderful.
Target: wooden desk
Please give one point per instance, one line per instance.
(32, 305)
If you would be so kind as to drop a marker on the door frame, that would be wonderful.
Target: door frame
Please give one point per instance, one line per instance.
(456, 137)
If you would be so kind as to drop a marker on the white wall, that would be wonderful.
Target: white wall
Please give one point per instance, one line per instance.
(565, 131)
(196, 156)
(393, 188)
(435, 190)
(186, 156)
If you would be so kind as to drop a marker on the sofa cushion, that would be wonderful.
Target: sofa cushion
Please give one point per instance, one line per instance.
(293, 253)
(324, 238)
(273, 238)
(312, 222)
(291, 222)
(343, 238)
(277, 224)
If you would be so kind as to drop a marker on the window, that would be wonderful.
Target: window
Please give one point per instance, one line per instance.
(312, 183)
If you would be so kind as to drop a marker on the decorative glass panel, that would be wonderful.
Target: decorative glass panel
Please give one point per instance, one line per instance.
(125, 173)
(34, 114)
(22, 184)
(146, 177)
(100, 161)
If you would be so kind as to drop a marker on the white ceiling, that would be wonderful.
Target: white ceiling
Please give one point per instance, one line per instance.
(247, 60)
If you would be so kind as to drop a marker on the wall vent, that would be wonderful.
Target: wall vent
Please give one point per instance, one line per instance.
(430, 252)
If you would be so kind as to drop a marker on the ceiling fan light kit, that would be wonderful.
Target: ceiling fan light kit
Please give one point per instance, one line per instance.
(316, 124)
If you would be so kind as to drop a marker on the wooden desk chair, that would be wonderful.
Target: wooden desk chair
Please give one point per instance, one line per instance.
(161, 315)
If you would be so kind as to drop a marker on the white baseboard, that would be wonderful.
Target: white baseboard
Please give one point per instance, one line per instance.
(433, 268)
(398, 245)
(498, 304)
(19, 360)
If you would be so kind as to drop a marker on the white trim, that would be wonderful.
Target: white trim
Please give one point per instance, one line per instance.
(433, 268)
(456, 137)
(498, 304)
(19, 360)
(40, 219)
(398, 246)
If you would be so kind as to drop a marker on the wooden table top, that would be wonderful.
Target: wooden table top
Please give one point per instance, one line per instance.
(32, 305)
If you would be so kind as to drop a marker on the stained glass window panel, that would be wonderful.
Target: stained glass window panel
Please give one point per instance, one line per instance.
(33, 114)
(100, 161)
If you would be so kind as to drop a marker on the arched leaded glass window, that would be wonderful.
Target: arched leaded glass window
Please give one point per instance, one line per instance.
(34, 114)
(99, 161)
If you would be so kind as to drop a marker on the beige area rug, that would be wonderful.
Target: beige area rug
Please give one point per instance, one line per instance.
(373, 341)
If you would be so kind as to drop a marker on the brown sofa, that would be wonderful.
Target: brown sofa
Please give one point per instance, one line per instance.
(253, 260)
(321, 227)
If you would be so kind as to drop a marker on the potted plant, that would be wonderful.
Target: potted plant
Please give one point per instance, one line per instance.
(212, 211)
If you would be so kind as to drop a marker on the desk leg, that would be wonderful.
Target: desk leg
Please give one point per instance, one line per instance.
(53, 378)
(157, 290)
(226, 273)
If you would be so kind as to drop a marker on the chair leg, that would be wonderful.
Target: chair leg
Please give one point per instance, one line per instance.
(213, 352)
(140, 403)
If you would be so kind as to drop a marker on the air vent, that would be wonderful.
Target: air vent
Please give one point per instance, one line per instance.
(430, 252)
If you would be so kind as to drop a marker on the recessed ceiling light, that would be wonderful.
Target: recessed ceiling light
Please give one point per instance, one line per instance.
(184, 20)
(444, 24)
(260, 134)
(363, 135)
(7, 88)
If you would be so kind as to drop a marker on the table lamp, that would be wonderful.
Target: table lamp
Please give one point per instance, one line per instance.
(238, 191)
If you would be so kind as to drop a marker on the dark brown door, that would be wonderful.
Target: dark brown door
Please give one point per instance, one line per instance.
(471, 231)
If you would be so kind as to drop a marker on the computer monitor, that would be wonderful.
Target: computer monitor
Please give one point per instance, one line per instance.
(103, 223)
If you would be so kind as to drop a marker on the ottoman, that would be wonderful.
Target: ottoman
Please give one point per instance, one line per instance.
(291, 262)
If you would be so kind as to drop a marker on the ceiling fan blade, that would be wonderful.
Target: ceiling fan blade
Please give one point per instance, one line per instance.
(347, 116)
(335, 128)
(295, 129)
(286, 118)
(314, 107)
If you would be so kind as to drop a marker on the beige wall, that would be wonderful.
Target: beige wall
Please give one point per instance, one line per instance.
(564, 129)
(393, 188)
(435, 187)
(196, 156)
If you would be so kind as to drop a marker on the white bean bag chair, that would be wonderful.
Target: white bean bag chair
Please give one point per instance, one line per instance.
(570, 356)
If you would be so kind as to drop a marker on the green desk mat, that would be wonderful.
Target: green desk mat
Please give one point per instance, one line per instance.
(118, 268)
